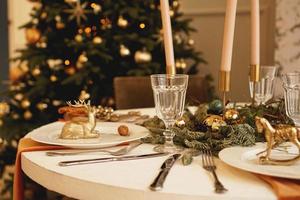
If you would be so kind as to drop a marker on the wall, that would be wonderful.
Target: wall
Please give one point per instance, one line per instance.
(208, 18)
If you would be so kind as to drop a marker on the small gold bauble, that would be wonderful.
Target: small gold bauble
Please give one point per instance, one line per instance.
(1, 124)
(19, 96)
(53, 78)
(231, 114)
(171, 13)
(82, 58)
(70, 70)
(175, 4)
(44, 15)
(27, 115)
(152, 6)
(124, 51)
(96, 7)
(78, 38)
(191, 42)
(32, 35)
(123, 23)
(36, 71)
(215, 122)
(97, 40)
(15, 116)
(25, 103)
(84, 95)
(142, 56)
(56, 102)
(60, 25)
(41, 106)
(4, 109)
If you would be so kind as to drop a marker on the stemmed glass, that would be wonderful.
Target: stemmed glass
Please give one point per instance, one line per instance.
(264, 88)
(291, 85)
(169, 96)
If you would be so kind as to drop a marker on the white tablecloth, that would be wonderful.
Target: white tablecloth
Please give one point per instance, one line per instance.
(129, 180)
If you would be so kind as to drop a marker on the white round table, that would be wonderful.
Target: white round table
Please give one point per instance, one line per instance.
(129, 180)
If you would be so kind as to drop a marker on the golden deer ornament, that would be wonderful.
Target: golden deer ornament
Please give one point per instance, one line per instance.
(79, 127)
(276, 136)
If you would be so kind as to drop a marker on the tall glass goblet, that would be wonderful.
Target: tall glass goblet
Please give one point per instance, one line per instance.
(169, 96)
(264, 88)
(291, 85)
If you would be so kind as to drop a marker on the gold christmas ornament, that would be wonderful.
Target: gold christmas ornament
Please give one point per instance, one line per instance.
(215, 122)
(27, 115)
(4, 109)
(36, 71)
(41, 106)
(32, 35)
(56, 102)
(178, 38)
(82, 58)
(35, 21)
(70, 70)
(124, 51)
(78, 38)
(77, 11)
(105, 23)
(84, 95)
(152, 6)
(53, 63)
(19, 96)
(15, 116)
(175, 4)
(44, 15)
(171, 13)
(180, 64)
(123, 23)
(96, 7)
(231, 114)
(60, 25)
(53, 78)
(1, 124)
(191, 42)
(97, 40)
(25, 103)
(67, 62)
(142, 56)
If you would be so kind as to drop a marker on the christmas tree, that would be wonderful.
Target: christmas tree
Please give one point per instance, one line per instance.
(75, 49)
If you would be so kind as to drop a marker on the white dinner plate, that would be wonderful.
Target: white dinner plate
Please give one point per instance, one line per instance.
(49, 134)
(245, 158)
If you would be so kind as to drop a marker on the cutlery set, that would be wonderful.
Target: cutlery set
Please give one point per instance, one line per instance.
(157, 184)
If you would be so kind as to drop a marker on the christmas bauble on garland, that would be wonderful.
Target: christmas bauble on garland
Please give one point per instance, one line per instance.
(215, 107)
(32, 35)
(142, 56)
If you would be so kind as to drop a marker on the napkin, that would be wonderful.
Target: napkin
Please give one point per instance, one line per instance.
(285, 189)
(25, 145)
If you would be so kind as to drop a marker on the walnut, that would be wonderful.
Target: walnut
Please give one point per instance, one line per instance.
(123, 130)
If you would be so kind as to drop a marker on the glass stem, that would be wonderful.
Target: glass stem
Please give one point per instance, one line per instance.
(169, 135)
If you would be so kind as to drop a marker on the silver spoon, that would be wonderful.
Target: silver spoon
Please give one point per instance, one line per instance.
(118, 152)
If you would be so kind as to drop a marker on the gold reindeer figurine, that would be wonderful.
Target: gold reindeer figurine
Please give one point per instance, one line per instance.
(79, 127)
(276, 136)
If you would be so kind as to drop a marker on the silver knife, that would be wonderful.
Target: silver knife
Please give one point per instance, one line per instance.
(164, 171)
(109, 159)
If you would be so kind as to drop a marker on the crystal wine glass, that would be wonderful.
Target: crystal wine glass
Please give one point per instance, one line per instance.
(264, 88)
(291, 85)
(169, 96)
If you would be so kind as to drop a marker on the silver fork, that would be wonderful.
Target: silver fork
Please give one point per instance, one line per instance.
(118, 152)
(209, 165)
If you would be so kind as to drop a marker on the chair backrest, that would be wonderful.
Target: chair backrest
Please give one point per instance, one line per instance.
(136, 91)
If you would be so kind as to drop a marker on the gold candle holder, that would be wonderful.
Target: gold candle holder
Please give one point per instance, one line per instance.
(171, 70)
(254, 77)
(224, 84)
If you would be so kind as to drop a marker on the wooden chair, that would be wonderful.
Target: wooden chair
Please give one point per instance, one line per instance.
(136, 91)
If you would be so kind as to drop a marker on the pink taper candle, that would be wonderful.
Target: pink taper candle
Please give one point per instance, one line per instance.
(168, 40)
(255, 39)
(228, 35)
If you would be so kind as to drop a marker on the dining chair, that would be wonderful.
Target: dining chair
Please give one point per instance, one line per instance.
(136, 91)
